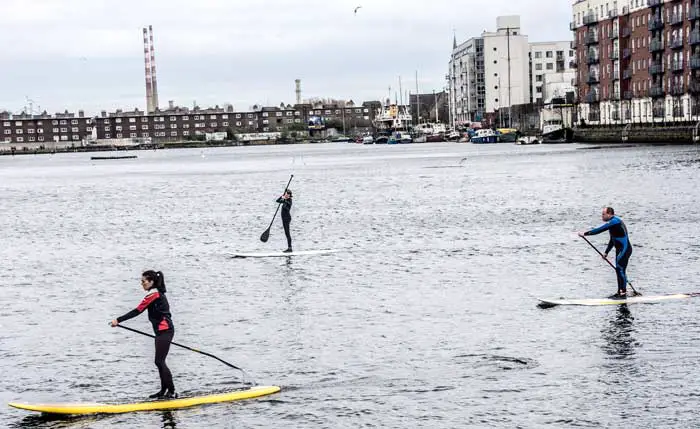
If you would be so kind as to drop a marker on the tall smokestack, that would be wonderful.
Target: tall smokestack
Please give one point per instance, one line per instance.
(146, 59)
(298, 90)
(153, 70)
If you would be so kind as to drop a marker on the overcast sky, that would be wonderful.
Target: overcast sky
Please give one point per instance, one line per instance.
(87, 54)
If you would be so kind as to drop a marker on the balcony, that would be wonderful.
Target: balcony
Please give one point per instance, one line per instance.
(592, 59)
(694, 38)
(626, 53)
(694, 87)
(627, 74)
(627, 95)
(615, 33)
(676, 43)
(573, 64)
(592, 79)
(572, 44)
(615, 54)
(654, 3)
(656, 91)
(656, 45)
(591, 38)
(677, 66)
(626, 32)
(677, 89)
(615, 95)
(658, 112)
(695, 62)
(592, 97)
(612, 13)
(590, 18)
(655, 23)
(572, 26)
(676, 18)
(694, 13)
(616, 115)
(678, 112)
(656, 68)
(616, 73)
(594, 116)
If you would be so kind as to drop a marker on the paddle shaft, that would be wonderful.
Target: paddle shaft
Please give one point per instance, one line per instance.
(183, 346)
(609, 263)
(267, 231)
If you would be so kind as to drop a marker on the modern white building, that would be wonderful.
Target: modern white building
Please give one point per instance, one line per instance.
(499, 69)
(552, 70)
(506, 64)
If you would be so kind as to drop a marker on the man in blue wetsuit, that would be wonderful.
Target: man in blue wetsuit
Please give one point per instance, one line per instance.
(623, 248)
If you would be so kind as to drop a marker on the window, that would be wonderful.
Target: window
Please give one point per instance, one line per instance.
(55, 130)
(538, 78)
(549, 54)
(64, 130)
(185, 125)
(64, 138)
(52, 123)
(213, 124)
(297, 120)
(238, 124)
(118, 127)
(278, 114)
(31, 139)
(108, 136)
(264, 115)
(74, 130)
(133, 135)
(225, 124)
(185, 118)
(266, 129)
(250, 115)
(265, 121)
(118, 120)
(19, 131)
(538, 54)
(119, 135)
(144, 135)
(8, 131)
(185, 133)
(571, 53)
(173, 133)
(550, 66)
(8, 139)
(5, 124)
(106, 121)
(538, 66)
(297, 113)
(20, 139)
(76, 138)
(63, 122)
(31, 131)
(173, 126)
(132, 120)
(212, 117)
(41, 130)
(144, 127)
(40, 138)
(238, 116)
(74, 122)
(172, 118)
(144, 119)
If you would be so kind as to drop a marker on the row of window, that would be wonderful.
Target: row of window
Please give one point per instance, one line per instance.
(41, 130)
(550, 54)
(197, 125)
(41, 123)
(39, 139)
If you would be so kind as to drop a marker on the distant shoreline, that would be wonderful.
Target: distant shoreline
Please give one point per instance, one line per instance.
(23, 149)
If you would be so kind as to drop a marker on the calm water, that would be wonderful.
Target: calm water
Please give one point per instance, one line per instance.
(429, 319)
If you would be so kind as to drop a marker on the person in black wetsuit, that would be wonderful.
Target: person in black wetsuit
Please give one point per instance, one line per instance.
(623, 248)
(286, 201)
(159, 316)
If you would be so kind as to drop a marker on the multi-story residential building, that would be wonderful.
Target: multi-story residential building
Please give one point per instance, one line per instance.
(500, 69)
(176, 123)
(466, 83)
(61, 127)
(552, 70)
(638, 61)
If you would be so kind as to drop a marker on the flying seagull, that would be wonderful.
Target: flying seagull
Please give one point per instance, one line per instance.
(357, 9)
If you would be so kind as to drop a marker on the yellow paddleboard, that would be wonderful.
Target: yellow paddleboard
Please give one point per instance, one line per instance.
(253, 392)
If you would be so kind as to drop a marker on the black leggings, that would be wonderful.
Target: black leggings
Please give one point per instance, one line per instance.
(285, 223)
(162, 349)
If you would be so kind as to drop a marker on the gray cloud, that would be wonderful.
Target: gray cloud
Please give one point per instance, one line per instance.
(88, 53)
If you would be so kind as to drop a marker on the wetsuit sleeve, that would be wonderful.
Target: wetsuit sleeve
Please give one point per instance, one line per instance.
(280, 200)
(140, 308)
(604, 227)
(611, 243)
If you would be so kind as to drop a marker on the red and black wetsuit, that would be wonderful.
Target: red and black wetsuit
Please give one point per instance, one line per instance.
(159, 315)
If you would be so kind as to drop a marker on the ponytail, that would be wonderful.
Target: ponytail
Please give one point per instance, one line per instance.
(157, 278)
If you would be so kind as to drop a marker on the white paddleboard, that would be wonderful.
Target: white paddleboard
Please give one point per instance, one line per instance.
(280, 253)
(629, 300)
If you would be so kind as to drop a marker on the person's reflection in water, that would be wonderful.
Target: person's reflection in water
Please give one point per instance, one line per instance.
(168, 420)
(619, 339)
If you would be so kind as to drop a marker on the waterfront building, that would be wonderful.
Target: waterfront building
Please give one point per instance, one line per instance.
(638, 61)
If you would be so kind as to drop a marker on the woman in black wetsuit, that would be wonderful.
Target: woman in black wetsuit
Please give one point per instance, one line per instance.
(159, 315)
(286, 201)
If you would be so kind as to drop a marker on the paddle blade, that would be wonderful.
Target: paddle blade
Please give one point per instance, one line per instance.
(265, 235)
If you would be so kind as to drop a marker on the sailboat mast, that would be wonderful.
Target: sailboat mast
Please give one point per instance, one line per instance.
(417, 101)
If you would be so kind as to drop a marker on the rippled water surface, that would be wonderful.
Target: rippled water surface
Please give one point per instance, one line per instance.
(429, 319)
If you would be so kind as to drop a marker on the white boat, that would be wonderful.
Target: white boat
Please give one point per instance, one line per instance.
(484, 135)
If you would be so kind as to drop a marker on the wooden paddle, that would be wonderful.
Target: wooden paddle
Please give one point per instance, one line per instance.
(610, 263)
(265, 235)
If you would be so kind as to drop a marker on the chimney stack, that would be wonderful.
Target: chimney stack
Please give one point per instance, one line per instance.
(154, 83)
(298, 90)
(147, 62)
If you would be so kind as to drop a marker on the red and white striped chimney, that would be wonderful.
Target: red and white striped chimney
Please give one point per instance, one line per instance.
(146, 58)
(154, 84)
